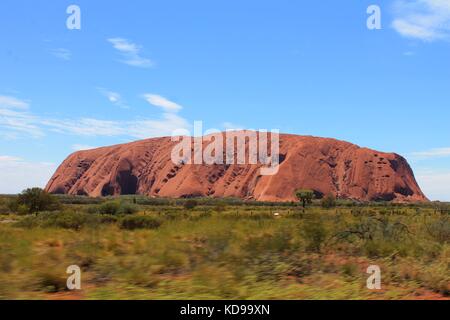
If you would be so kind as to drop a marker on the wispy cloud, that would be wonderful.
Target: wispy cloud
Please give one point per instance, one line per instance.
(130, 52)
(427, 20)
(23, 123)
(61, 53)
(432, 153)
(15, 118)
(16, 174)
(12, 102)
(87, 127)
(82, 147)
(113, 97)
(165, 126)
(162, 102)
(169, 122)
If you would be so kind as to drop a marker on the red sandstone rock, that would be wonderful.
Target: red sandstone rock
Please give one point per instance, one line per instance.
(321, 164)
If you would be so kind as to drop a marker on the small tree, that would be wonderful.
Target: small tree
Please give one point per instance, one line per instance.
(329, 201)
(305, 196)
(36, 200)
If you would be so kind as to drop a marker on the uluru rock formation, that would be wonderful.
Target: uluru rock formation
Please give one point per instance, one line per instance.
(321, 164)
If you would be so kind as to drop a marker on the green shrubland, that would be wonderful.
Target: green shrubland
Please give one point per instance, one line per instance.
(143, 248)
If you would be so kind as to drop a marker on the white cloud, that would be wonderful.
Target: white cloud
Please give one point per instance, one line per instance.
(130, 52)
(12, 103)
(19, 123)
(85, 127)
(435, 184)
(17, 174)
(61, 53)
(82, 147)
(427, 20)
(162, 102)
(113, 97)
(165, 126)
(432, 153)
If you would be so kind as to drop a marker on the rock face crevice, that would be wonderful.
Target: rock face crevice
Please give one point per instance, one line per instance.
(321, 164)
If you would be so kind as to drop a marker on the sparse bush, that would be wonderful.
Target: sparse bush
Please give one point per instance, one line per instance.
(378, 248)
(110, 207)
(220, 207)
(350, 269)
(50, 282)
(13, 205)
(4, 206)
(139, 222)
(128, 208)
(329, 201)
(37, 200)
(190, 204)
(114, 208)
(440, 230)
(64, 220)
(314, 232)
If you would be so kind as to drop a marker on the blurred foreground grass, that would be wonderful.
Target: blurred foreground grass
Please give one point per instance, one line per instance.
(226, 252)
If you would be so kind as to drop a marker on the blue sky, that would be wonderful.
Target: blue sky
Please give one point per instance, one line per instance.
(139, 69)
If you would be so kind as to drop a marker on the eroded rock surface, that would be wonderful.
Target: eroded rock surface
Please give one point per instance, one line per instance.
(321, 164)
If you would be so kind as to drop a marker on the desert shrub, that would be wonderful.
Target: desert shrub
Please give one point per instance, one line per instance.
(329, 201)
(279, 242)
(378, 248)
(139, 222)
(220, 207)
(37, 200)
(190, 204)
(81, 200)
(92, 209)
(375, 228)
(113, 208)
(110, 207)
(439, 230)
(50, 282)
(172, 215)
(13, 206)
(350, 269)
(5, 206)
(128, 208)
(27, 222)
(314, 232)
(65, 220)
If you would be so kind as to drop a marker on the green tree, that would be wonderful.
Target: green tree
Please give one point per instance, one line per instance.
(36, 200)
(305, 196)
